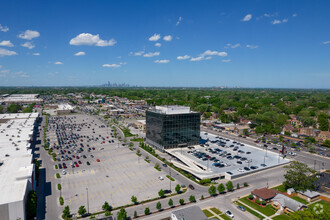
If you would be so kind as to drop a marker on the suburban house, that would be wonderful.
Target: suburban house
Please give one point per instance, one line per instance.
(288, 128)
(240, 129)
(264, 194)
(295, 121)
(308, 195)
(310, 132)
(286, 204)
(189, 213)
(323, 135)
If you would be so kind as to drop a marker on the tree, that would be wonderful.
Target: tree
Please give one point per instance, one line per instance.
(177, 188)
(229, 186)
(170, 202)
(299, 176)
(212, 191)
(323, 122)
(221, 188)
(147, 211)
(106, 206)
(326, 143)
(82, 210)
(161, 193)
(192, 198)
(135, 214)
(66, 212)
(315, 213)
(159, 206)
(181, 201)
(122, 214)
(134, 199)
(31, 204)
(13, 108)
(237, 186)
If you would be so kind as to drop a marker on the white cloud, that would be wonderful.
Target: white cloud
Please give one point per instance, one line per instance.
(226, 61)
(36, 54)
(58, 63)
(29, 35)
(154, 37)
(185, 57)
(5, 52)
(6, 43)
(232, 45)
(252, 46)
(4, 28)
(111, 65)
(167, 38)
(295, 15)
(179, 20)
(28, 45)
(5, 71)
(139, 53)
(150, 54)
(122, 63)
(276, 21)
(158, 44)
(247, 17)
(207, 55)
(81, 53)
(0, 66)
(326, 42)
(91, 40)
(162, 61)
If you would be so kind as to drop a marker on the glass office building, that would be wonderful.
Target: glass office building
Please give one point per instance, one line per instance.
(172, 127)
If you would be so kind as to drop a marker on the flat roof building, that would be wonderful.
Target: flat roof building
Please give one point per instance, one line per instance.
(22, 99)
(64, 109)
(17, 175)
(172, 126)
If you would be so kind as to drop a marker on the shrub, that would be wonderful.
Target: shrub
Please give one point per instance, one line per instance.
(263, 202)
(61, 200)
(59, 187)
(82, 210)
(159, 206)
(181, 201)
(66, 212)
(161, 193)
(237, 187)
(58, 175)
(245, 184)
(56, 167)
(250, 197)
(107, 213)
(192, 198)
(147, 211)
(135, 214)
(170, 202)
(258, 201)
(202, 197)
(205, 181)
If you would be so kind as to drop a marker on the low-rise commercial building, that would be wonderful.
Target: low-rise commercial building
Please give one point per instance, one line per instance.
(64, 109)
(17, 176)
(22, 99)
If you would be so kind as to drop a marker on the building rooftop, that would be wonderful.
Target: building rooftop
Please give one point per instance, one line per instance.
(16, 166)
(190, 213)
(24, 98)
(172, 109)
(265, 193)
(285, 201)
(65, 107)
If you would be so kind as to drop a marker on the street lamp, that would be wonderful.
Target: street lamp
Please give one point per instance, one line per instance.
(87, 200)
(170, 176)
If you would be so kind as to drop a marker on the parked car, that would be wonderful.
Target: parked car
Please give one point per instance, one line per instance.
(161, 178)
(191, 187)
(241, 208)
(228, 213)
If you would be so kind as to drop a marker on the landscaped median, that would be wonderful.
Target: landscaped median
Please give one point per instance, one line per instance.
(250, 210)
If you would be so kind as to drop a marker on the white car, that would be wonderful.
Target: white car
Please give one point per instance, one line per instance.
(231, 215)
(63, 172)
(240, 170)
(161, 178)
(292, 153)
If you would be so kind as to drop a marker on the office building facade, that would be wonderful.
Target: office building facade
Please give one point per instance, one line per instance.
(172, 127)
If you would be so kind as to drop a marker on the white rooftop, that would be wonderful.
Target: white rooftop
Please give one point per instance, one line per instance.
(15, 155)
(173, 109)
(65, 107)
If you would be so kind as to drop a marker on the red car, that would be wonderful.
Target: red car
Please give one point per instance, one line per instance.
(77, 157)
(256, 141)
(77, 165)
(98, 160)
(103, 142)
(107, 137)
(73, 156)
(79, 161)
(93, 148)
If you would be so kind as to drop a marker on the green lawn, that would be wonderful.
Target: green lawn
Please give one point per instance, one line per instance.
(225, 217)
(280, 188)
(207, 213)
(137, 139)
(251, 211)
(282, 217)
(326, 205)
(303, 201)
(217, 211)
(267, 210)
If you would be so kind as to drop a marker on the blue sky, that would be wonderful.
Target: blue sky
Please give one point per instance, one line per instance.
(277, 44)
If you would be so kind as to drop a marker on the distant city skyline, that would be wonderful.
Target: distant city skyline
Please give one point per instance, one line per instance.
(250, 44)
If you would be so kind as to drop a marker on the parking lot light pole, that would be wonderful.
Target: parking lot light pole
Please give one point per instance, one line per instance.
(170, 176)
(87, 200)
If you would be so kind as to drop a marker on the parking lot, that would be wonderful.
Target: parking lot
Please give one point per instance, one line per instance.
(224, 156)
(118, 175)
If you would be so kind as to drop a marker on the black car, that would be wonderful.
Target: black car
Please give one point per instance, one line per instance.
(239, 162)
(254, 167)
(88, 163)
(246, 168)
(191, 187)
(241, 208)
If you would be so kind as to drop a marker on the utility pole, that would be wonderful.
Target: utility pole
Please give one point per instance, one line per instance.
(87, 200)
(314, 164)
(170, 176)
